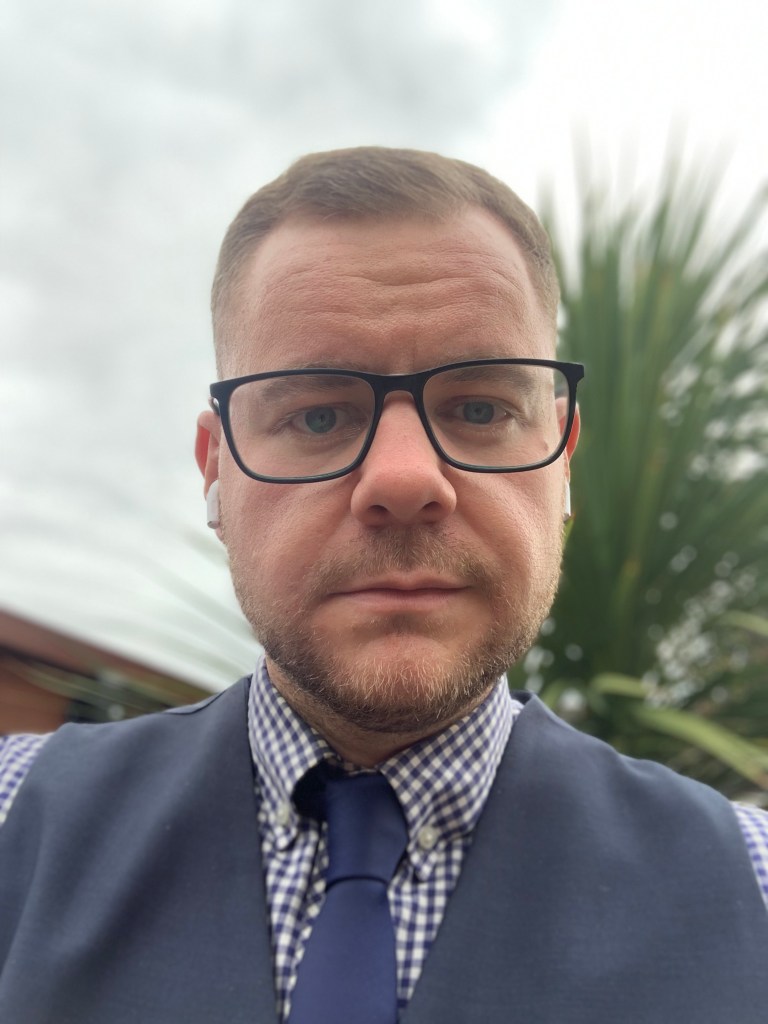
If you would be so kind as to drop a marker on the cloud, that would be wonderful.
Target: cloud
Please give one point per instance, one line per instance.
(132, 132)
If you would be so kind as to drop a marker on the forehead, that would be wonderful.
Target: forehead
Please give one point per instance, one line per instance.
(389, 296)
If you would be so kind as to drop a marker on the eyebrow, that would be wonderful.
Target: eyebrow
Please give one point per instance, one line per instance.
(515, 373)
(282, 387)
(330, 364)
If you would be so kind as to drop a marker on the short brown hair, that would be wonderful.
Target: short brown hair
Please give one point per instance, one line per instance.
(373, 181)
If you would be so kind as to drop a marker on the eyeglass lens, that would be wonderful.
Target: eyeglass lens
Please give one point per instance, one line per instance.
(494, 416)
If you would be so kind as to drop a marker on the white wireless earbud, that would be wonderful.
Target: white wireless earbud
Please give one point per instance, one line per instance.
(567, 502)
(212, 505)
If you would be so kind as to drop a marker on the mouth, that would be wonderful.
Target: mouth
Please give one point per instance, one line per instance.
(404, 584)
(401, 593)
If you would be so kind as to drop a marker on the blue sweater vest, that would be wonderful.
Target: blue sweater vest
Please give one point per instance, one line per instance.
(597, 889)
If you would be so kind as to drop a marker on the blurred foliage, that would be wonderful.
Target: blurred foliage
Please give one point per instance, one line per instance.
(658, 641)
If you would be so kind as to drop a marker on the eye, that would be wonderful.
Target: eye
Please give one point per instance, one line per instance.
(477, 412)
(474, 412)
(330, 421)
(320, 420)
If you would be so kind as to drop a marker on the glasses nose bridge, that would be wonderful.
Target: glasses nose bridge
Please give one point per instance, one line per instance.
(411, 384)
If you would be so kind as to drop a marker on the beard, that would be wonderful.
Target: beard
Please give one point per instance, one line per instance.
(403, 691)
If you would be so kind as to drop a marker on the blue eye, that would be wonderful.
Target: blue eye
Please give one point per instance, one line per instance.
(478, 412)
(320, 419)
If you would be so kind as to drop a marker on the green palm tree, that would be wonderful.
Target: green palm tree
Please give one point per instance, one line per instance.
(667, 308)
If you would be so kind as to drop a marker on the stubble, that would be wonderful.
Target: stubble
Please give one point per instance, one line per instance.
(401, 693)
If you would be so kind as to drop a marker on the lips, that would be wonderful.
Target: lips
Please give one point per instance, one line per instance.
(401, 564)
(417, 583)
(383, 596)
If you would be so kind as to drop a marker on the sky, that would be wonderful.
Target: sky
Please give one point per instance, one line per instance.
(131, 134)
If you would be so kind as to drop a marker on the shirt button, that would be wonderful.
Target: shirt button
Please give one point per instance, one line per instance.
(427, 837)
(283, 815)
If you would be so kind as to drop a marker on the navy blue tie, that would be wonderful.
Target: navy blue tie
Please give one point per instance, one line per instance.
(348, 973)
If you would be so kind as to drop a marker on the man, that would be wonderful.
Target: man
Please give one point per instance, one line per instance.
(386, 459)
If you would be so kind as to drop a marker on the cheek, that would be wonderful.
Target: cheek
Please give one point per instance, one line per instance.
(519, 503)
(277, 531)
(520, 516)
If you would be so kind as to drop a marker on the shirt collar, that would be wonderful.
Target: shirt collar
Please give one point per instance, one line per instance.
(284, 747)
(442, 782)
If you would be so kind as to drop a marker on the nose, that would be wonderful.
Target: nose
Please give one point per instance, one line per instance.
(402, 480)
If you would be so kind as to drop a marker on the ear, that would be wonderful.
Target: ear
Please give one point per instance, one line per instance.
(573, 437)
(207, 444)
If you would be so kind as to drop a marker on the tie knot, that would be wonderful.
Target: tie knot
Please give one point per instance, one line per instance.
(367, 833)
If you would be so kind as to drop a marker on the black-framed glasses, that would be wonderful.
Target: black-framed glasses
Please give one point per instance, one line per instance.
(481, 415)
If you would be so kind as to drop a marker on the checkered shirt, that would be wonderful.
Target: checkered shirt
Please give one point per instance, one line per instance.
(754, 828)
(442, 784)
(17, 754)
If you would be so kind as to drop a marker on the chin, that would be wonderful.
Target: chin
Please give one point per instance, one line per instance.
(398, 683)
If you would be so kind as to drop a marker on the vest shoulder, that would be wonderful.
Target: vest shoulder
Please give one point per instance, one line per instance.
(599, 768)
(78, 758)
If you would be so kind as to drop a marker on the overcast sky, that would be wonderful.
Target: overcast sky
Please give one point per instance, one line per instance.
(133, 131)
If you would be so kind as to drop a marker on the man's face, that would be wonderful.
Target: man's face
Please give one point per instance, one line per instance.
(392, 597)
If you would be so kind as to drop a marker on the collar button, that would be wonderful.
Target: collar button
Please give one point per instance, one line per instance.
(283, 815)
(427, 838)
